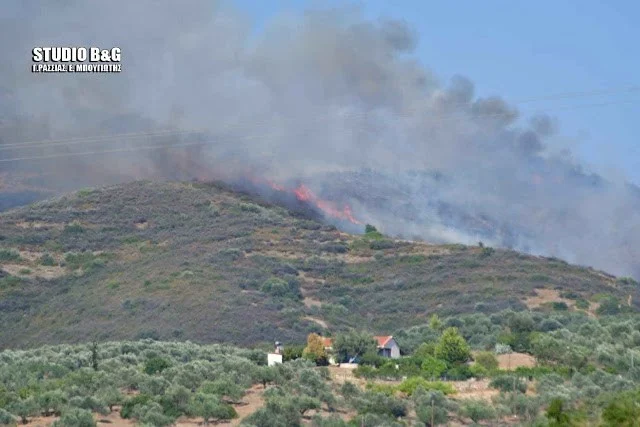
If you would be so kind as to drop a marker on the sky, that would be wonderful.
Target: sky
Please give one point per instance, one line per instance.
(525, 51)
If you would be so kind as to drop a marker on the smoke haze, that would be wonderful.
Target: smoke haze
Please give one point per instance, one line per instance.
(326, 97)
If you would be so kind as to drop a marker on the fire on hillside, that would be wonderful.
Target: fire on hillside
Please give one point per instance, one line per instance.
(303, 194)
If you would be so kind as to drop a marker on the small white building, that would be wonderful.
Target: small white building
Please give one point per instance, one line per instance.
(388, 347)
(275, 358)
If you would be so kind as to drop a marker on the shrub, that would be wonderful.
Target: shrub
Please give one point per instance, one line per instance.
(559, 306)
(155, 365)
(127, 408)
(76, 418)
(486, 252)
(47, 260)
(432, 367)
(477, 410)
(410, 385)
(281, 288)
(487, 360)
(9, 255)
(6, 419)
(502, 349)
(151, 414)
(292, 352)
(335, 248)
(380, 403)
(582, 304)
(508, 383)
(431, 406)
(382, 244)
(89, 403)
(73, 228)
(608, 306)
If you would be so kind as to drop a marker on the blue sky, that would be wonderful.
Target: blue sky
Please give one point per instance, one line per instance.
(528, 50)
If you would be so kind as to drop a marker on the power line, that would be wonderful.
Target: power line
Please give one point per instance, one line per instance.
(629, 89)
(96, 138)
(119, 150)
(107, 138)
(199, 143)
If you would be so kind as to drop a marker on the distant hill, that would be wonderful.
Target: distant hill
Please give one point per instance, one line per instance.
(205, 263)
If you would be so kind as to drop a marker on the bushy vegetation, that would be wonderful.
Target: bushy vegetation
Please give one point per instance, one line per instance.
(197, 255)
(200, 262)
(154, 382)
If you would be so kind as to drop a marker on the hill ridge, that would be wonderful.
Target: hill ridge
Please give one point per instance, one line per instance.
(203, 262)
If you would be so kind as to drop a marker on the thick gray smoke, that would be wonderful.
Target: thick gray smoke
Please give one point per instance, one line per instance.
(329, 98)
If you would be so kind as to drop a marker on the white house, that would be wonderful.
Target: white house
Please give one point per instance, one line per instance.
(388, 347)
(275, 358)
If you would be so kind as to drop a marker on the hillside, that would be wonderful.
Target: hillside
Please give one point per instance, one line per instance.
(204, 263)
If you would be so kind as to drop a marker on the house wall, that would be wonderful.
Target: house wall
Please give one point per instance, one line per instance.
(391, 350)
(395, 349)
(273, 359)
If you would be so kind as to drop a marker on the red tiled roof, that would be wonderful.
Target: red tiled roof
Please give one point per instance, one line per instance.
(382, 341)
(328, 342)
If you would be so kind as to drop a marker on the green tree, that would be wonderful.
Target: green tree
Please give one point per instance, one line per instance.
(265, 375)
(477, 410)
(52, 402)
(433, 368)
(210, 407)
(623, 411)
(452, 347)
(111, 397)
(151, 414)
(76, 417)
(280, 410)
(425, 349)
(431, 407)
(6, 418)
(353, 344)
(225, 387)
(25, 408)
(557, 415)
(521, 325)
(314, 350)
(94, 356)
(155, 365)
(292, 352)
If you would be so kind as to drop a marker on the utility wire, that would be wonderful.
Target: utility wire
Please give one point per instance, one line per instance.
(114, 138)
(469, 105)
(119, 150)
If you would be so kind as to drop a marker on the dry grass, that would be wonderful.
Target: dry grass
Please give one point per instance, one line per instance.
(40, 271)
(515, 360)
(317, 321)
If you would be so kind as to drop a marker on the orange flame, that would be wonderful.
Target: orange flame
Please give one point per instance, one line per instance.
(304, 193)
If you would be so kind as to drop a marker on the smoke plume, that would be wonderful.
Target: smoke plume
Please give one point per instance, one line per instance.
(327, 98)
